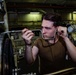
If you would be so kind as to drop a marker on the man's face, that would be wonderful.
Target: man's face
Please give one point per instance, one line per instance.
(48, 30)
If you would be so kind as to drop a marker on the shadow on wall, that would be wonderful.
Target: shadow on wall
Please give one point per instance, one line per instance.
(25, 68)
(2, 29)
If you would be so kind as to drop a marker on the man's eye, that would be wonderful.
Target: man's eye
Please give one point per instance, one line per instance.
(47, 28)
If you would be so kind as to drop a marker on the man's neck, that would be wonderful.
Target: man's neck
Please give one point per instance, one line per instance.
(54, 40)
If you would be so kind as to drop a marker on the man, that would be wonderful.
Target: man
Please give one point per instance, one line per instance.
(51, 47)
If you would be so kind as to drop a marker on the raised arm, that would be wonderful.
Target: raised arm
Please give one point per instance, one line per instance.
(70, 46)
(30, 52)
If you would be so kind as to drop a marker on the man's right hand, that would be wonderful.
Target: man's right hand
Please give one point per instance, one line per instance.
(27, 35)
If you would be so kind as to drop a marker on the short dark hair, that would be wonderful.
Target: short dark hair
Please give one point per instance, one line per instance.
(54, 17)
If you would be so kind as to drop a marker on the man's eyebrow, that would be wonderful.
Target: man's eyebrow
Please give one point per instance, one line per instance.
(46, 27)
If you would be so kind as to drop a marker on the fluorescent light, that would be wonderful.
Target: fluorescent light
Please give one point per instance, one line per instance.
(34, 12)
(74, 12)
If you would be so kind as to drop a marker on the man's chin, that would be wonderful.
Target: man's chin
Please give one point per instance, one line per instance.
(45, 38)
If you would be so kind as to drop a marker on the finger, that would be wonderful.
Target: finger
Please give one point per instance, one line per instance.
(24, 30)
(27, 35)
(30, 37)
(61, 32)
(31, 34)
(28, 32)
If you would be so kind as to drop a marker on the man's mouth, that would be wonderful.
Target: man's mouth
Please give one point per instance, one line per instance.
(47, 38)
